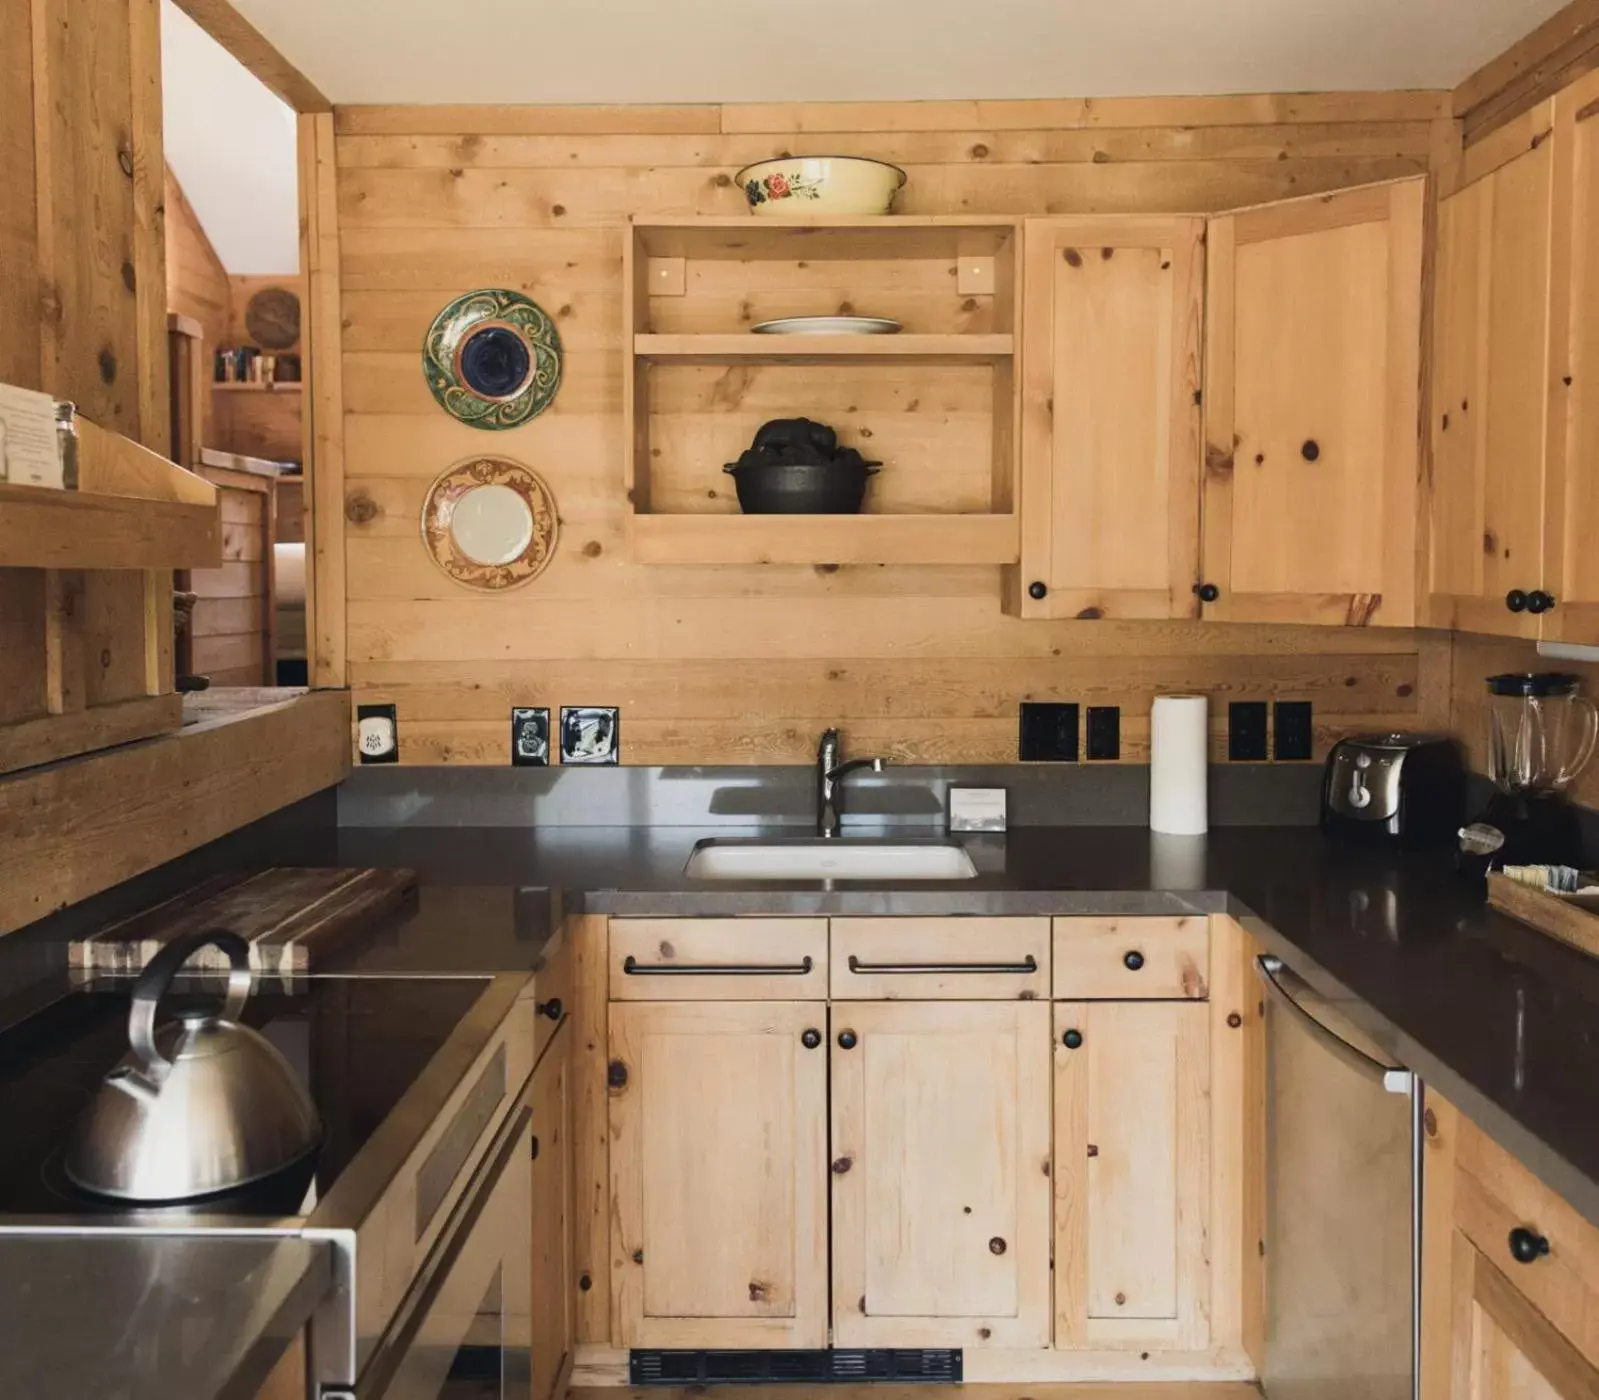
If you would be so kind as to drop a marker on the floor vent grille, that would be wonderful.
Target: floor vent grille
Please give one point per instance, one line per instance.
(934, 1365)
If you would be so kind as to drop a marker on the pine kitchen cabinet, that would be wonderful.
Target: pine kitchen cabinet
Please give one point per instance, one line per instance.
(718, 1167)
(1510, 1275)
(1295, 333)
(941, 1174)
(1515, 400)
(549, 1096)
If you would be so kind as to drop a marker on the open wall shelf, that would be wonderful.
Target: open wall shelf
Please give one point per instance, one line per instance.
(935, 404)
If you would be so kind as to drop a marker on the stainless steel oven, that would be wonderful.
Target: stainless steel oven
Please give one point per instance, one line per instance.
(465, 1330)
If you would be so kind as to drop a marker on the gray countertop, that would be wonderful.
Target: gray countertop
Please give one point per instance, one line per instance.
(1498, 1018)
(171, 1317)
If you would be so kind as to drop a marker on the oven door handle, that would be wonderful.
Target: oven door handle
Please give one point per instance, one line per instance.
(1393, 1078)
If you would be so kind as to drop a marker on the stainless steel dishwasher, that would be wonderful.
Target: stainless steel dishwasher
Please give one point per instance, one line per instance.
(1343, 1204)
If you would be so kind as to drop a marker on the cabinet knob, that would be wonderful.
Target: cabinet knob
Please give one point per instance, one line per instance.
(811, 1038)
(1072, 1040)
(551, 1008)
(1133, 960)
(1310, 449)
(846, 1040)
(1208, 592)
(1038, 589)
(1516, 600)
(1526, 1246)
(996, 1245)
(1539, 602)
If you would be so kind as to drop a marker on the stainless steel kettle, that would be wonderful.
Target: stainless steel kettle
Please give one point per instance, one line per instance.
(201, 1105)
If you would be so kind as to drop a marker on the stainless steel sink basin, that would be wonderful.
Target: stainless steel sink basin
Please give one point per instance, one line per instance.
(841, 858)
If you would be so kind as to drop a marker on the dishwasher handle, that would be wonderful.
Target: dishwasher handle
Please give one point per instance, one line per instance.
(1393, 1078)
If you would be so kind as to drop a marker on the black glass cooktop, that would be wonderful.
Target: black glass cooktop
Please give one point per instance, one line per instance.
(358, 1043)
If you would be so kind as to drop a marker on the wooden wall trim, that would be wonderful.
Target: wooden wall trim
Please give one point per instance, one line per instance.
(1557, 52)
(322, 409)
(19, 228)
(256, 52)
(71, 829)
(776, 118)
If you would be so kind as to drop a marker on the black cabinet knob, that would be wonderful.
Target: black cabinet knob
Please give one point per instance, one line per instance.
(997, 1245)
(1539, 602)
(1208, 592)
(811, 1038)
(1038, 589)
(551, 1008)
(846, 1040)
(1526, 1246)
(1133, 960)
(1516, 600)
(1309, 449)
(1072, 1040)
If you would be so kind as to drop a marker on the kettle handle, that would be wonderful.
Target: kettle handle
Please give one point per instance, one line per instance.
(157, 978)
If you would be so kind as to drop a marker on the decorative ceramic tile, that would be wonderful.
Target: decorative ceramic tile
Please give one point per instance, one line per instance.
(377, 733)
(591, 734)
(490, 523)
(492, 358)
(530, 738)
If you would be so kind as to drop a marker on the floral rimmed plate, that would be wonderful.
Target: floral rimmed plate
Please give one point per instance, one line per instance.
(492, 358)
(490, 523)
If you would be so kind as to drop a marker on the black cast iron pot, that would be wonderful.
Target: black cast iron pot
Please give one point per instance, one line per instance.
(801, 488)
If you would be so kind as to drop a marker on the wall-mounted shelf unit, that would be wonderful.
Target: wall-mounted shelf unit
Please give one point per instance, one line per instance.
(936, 404)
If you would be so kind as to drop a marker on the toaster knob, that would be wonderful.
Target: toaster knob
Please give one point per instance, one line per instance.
(1359, 795)
(1362, 760)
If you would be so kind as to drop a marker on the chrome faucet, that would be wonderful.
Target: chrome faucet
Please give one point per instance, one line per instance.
(829, 782)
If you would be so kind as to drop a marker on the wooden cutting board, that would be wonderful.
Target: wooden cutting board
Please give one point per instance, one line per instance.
(293, 919)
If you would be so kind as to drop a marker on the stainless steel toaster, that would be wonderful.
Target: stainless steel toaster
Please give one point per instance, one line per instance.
(1400, 790)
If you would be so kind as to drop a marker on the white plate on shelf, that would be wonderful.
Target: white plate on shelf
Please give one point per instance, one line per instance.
(829, 325)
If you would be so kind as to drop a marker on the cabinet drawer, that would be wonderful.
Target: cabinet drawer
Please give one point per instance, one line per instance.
(968, 959)
(1130, 959)
(718, 959)
(1495, 1195)
(552, 989)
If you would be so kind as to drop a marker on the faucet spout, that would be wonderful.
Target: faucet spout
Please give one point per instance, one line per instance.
(830, 771)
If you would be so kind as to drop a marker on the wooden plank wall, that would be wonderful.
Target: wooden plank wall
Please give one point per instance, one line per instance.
(235, 613)
(748, 664)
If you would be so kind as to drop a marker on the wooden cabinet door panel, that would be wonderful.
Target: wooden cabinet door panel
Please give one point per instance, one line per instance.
(1503, 1348)
(552, 1218)
(718, 1150)
(1571, 560)
(1311, 446)
(1491, 345)
(1132, 1174)
(940, 1174)
(1110, 429)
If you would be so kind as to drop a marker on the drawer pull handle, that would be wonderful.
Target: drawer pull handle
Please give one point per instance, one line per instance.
(1527, 1247)
(633, 968)
(1027, 965)
(1133, 961)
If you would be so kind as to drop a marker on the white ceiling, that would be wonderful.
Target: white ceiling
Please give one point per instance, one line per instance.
(231, 144)
(507, 51)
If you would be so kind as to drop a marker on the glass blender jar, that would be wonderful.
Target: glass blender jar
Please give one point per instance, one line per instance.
(1541, 733)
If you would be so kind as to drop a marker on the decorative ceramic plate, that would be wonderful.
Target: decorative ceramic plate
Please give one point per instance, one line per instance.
(829, 325)
(490, 523)
(492, 359)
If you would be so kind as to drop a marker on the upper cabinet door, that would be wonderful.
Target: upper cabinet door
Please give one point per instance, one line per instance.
(1313, 321)
(1111, 335)
(1571, 563)
(1489, 395)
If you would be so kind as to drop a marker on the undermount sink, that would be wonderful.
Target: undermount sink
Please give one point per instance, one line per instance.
(839, 858)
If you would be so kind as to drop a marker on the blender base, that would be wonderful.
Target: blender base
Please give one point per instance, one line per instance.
(1539, 829)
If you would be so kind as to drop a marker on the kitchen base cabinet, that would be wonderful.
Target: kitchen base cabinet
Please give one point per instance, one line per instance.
(552, 1217)
(1132, 1174)
(940, 1174)
(718, 1167)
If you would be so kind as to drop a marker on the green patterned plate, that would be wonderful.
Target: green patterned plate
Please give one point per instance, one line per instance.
(492, 359)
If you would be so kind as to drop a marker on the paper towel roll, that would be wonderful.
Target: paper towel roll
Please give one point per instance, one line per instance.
(1179, 744)
(288, 562)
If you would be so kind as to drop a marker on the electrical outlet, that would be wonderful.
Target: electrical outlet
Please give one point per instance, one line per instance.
(1246, 731)
(530, 737)
(1104, 731)
(377, 729)
(1048, 732)
(1293, 730)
